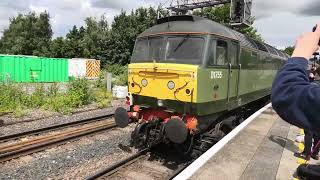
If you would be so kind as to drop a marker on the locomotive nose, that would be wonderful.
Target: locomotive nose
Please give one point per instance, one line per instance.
(121, 117)
(176, 131)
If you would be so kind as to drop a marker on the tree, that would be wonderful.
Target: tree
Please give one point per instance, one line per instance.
(96, 38)
(90, 41)
(28, 34)
(124, 31)
(289, 50)
(58, 48)
(74, 46)
(221, 14)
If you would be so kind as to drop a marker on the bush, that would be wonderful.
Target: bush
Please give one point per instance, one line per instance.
(11, 96)
(79, 93)
(119, 73)
(116, 69)
(53, 89)
(58, 103)
(37, 98)
(102, 97)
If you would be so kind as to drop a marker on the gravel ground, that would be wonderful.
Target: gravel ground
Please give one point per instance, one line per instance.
(75, 160)
(57, 119)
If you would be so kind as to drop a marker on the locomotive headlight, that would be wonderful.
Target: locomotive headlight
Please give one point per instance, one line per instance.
(171, 85)
(144, 82)
(160, 102)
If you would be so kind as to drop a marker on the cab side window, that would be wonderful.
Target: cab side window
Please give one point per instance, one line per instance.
(221, 53)
(233, 54)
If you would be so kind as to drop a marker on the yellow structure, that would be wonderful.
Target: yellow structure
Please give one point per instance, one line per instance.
(164, 81)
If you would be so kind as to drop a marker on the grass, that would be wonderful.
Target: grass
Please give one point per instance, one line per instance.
(80, 93)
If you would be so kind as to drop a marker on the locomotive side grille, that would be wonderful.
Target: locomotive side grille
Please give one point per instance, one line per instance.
(245, 41)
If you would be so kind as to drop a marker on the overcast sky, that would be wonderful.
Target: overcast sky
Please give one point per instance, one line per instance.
(279, 21)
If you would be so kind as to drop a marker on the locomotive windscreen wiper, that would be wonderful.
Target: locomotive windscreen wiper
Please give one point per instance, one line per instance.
(185, 38)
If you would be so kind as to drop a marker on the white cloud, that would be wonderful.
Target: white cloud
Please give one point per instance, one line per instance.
(66, 13)
(279, 21)
(124, 4)
(264, 9)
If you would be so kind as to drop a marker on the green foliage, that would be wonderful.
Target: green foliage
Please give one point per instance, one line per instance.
(53, 89)
(37, 98)
(116, 69)
(73, 45)
(80, 93)
(252, 32)
(31, 34)
(19, 112)
(289, 50)
(102, 97)
(119, 73)
(95, 40)
(124, 31)
(28, 34)
(58, 48)
(59, 103)
(221, 14)
(11, 96)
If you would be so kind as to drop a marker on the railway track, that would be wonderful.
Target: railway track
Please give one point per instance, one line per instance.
(37, 119)
(36, 144)
(142, 165)
(53, 128)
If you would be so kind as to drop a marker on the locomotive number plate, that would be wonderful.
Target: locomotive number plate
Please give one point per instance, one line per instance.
(216, 74)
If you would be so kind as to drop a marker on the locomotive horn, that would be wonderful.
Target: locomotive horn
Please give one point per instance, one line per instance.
(121, 117)
(176, 131)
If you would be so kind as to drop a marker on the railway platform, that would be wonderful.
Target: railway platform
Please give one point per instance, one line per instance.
(263, 147)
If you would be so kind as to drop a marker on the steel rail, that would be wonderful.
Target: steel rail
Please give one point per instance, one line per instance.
(113, 168)
(41, 118)
(51, 128)
(11, 151)
(108, 172)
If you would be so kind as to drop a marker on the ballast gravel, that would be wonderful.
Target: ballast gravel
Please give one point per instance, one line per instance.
(75, 160)
(57, 119)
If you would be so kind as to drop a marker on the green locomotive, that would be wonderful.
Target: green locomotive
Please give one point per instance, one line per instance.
(191, 76)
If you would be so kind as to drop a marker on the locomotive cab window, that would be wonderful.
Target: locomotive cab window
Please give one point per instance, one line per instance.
(184, 49)
(141, 50)
(221, 53)
(181, 49)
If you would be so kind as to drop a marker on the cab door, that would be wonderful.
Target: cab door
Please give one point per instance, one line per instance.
(233, 74)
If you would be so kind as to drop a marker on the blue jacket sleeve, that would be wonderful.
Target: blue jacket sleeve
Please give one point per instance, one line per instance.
(294, 98)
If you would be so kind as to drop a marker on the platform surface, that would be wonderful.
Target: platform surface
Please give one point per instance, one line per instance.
(263, 150)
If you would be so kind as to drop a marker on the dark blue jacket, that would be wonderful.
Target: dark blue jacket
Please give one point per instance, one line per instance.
(294, 98)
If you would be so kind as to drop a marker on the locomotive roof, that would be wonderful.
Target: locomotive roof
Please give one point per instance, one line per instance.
(196, 24)
(189, 24)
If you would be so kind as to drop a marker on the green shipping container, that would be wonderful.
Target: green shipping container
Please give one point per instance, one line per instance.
(33, 69)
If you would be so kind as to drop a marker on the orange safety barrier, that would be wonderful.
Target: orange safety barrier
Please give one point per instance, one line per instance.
(93, 68)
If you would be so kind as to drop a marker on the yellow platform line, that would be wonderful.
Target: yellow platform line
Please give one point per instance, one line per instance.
(301, 132)
(300, 148)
